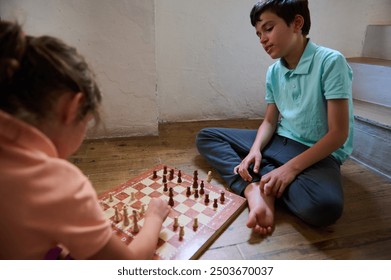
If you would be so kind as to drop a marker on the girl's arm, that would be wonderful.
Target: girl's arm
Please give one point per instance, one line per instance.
(144, 245)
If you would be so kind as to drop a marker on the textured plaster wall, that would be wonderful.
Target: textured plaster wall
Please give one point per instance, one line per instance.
(118, 40)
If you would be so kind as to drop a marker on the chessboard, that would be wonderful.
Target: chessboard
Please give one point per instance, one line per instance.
(200, 211)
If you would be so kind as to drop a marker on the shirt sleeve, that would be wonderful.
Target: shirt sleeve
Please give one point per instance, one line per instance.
(269, 97)
(337, 77)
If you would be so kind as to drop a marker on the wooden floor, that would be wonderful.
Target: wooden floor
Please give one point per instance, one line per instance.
(363, 232)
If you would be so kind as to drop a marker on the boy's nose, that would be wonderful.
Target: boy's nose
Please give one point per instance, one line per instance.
(263, 40)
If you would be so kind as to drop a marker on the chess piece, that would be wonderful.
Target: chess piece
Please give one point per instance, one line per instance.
(209, 178)
(171, 192)
(222, 197)
(215, 205)
(179, 180)
(195, 183)
(164, 180)
(195, 175)
(171, 201)
(188, 192)
(165, 188)
(154, 176)
(111, 199)
(132, 196)
(117, 215)
(135, 225)
(176, 223)
(206, 200)
(142, 210)
(202, 191)
(171, 176)
(126, 216)
(181, 232)
(195, 224)
(164, 170)
(196, 193)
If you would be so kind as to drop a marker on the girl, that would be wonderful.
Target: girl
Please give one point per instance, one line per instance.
(48, 95)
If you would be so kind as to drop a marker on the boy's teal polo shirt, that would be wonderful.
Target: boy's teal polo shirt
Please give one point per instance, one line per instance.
(301, 95)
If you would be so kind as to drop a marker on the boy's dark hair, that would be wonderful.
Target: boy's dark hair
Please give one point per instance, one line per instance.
(285, 9)
(34, 71)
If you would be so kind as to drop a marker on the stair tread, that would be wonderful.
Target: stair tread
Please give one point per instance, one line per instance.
(370, 60)
(373, 112)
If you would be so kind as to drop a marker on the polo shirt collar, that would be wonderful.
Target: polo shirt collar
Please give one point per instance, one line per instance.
(305, 61)
(24, 135)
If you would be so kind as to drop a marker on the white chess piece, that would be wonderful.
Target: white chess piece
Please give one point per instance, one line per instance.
(209, 178)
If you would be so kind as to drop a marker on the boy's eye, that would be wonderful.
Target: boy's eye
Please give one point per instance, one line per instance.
(268, 29)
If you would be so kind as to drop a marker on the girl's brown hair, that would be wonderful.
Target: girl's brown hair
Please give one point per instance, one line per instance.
(34, 71)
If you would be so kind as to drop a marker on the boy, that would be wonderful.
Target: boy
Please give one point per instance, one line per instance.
(295, 155)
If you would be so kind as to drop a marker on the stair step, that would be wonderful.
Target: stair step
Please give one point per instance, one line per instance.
(372, 145)
(371, 80)
(374, 113)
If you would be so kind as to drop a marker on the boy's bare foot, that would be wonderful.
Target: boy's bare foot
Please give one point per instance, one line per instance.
(261, 215)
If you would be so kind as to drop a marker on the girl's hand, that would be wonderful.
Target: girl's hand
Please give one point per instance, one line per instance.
(158, 208)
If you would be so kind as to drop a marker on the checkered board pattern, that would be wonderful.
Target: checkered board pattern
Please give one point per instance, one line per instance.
(211, 221)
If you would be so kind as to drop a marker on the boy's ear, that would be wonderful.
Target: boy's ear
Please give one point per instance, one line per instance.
(298, 23)
(72, 108)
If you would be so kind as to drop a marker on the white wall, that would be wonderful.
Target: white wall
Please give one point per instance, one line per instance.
(209, 62)
(202, 56)
(118, 39)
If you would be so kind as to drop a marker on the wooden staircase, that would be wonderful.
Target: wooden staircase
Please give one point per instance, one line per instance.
(372, 100)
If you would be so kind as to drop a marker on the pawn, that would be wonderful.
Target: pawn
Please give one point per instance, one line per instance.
(154, 176)
(117, 215)
(142, 210)
(111, 199)
(215, 205)
(209, 178)
(196, 195)
(171, 201)
(164, 169)
(171, 175)
(222, 197)
(195, 224)
(202, 191)
(176, 223)
(164, 180)
(126, 216)
(188, 192)
(181, 232)
(179, 180)
(171, 192)
(135, 225)
(206, 200)
(132, 196)
(165, 188)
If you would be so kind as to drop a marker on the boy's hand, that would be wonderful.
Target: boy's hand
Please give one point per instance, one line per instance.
(275, 182)
(242, 168)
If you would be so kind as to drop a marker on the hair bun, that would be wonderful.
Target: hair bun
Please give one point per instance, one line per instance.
(12, 48)
(8, 66)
